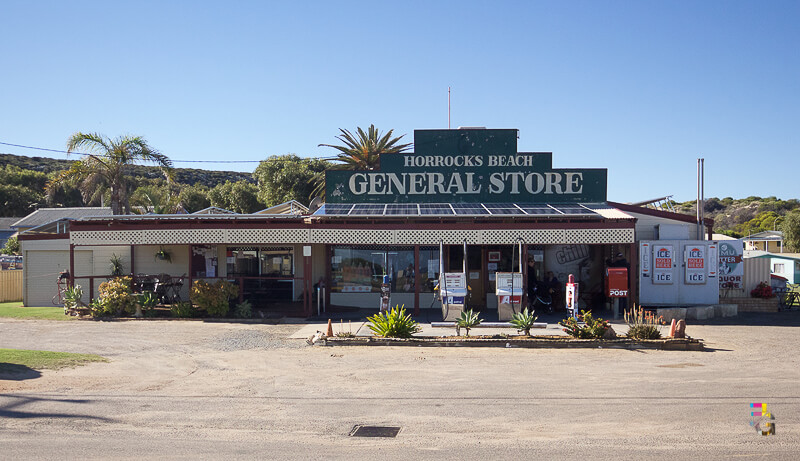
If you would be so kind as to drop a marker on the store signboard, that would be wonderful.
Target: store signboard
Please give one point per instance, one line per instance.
(466, 166)
(731, 268)
(695, 258)
(662, 264)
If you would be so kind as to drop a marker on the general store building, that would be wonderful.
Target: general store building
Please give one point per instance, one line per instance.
(459, 187)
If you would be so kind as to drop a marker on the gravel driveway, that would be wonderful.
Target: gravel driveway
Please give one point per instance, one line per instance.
(187, 389)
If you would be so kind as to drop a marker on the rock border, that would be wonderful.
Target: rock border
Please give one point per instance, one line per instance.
(669, 344)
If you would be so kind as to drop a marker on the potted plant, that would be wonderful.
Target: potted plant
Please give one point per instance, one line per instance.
(116, 265)
(163, 255)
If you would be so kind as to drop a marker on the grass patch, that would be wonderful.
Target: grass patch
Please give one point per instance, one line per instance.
(41, 360)
(15, 310)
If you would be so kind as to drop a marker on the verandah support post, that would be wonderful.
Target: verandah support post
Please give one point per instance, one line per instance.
(307, 283)
(189, 270)
(133, 261)
(327, 276)
(634, 271)
(416, 280)
(72, 264)
(524, 274)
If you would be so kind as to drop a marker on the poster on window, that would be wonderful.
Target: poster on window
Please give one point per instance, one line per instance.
(695, 258)
(662, 264)
(731, 269)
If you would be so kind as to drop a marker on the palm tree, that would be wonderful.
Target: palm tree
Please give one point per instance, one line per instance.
(361, 152)
(106, 166)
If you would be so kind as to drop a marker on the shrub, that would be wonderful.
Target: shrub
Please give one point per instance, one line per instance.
(183, 310)
(643, 324)
(97, 309)
(213, 298)
(244, 310)
(468, 320)
(591, 329)
(116, 297)
(763, 290)
(394, 323)
(524, 321)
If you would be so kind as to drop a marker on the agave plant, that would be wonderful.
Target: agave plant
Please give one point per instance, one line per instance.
(524, 321)
(394, 323)
(145, 303)
(72, 297)
(468, 320)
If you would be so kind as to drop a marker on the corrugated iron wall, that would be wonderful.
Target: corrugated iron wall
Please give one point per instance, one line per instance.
(756, 270)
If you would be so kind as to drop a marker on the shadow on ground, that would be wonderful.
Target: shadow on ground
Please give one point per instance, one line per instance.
(15, 372)
(10, 407)
(776, 319)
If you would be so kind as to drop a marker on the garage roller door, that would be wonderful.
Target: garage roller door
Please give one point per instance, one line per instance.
(42, 269)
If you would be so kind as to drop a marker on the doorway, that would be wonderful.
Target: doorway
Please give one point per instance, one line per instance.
(476, 275)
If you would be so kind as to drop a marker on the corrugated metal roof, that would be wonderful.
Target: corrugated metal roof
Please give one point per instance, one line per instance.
(188, 217)
(6, 223)
(48, 215)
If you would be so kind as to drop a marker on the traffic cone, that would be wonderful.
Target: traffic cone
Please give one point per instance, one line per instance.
(330, 329)
(672, 327)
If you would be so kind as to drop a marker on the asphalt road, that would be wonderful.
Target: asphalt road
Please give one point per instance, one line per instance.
(189, 390)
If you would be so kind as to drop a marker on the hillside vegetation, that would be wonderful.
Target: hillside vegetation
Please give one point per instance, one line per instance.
(742, 217)
(281, 178)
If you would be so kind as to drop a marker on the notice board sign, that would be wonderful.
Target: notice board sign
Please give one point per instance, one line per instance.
(663, 257)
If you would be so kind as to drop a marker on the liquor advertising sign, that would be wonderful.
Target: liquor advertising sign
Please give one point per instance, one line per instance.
(731, 267)
(663, 257)
(695, 259)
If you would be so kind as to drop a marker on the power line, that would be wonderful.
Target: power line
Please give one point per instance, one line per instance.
(174, 161)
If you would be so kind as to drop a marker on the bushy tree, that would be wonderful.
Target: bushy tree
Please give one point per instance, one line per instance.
(11, 247)
(19, 200)
(282, 178)
(11, 175)
(156, 199)
(194, 198)
(791, 231)
(239, 197)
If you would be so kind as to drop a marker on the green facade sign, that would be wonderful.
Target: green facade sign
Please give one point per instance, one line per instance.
(466, 166)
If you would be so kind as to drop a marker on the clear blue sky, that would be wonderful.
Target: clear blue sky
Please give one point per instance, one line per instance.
(642, 88)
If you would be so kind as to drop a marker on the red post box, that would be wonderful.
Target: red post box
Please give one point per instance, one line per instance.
(617, 282)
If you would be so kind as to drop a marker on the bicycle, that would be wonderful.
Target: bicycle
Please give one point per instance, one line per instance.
(61, 285)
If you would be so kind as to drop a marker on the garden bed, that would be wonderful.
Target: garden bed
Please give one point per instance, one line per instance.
(533, 342)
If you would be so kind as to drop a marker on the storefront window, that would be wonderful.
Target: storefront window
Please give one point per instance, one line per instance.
(260, 261)
(204, 261)
(428, 268)
(361, 270)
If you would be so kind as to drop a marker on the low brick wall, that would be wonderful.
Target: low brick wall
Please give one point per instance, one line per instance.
(754, 304)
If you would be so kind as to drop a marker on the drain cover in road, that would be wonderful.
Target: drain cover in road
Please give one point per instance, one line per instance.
(374, 431)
